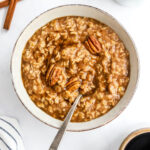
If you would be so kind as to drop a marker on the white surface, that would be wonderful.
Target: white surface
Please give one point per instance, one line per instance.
(129, 2)
(38, 136)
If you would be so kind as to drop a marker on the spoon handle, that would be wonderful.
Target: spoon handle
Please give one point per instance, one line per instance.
(62, 130)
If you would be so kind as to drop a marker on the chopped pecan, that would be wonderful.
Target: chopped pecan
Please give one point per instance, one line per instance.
(73, 84)
(53, 74)
(93, 45)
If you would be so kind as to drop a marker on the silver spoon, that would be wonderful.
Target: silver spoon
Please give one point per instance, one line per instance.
(59, 135)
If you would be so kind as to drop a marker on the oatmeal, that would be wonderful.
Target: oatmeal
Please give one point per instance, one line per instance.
(71, 56)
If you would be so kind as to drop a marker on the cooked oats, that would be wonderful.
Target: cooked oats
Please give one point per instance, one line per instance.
(72, 55)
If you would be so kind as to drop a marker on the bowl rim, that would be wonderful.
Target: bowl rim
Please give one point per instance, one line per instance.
(103, 12)
(133, 135)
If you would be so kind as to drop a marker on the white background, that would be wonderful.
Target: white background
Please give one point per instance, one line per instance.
(38, 136)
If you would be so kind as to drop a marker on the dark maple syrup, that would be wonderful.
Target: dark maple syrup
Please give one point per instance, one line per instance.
(140, 142)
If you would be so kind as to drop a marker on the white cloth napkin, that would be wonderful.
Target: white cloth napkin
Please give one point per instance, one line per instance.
(10, 137)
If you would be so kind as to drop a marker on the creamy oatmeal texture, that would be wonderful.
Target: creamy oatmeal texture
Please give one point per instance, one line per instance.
(72, 55)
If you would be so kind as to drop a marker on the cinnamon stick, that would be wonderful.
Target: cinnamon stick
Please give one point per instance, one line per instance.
(5, 3)
(10, 13)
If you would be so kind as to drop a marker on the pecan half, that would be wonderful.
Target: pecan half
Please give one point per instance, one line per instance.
(53, 74)
(93, 45)
(73, 84)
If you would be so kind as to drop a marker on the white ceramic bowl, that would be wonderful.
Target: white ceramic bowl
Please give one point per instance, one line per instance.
(73, 10)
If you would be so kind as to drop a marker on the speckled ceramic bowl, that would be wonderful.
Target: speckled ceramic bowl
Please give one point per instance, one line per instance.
(73, 10)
